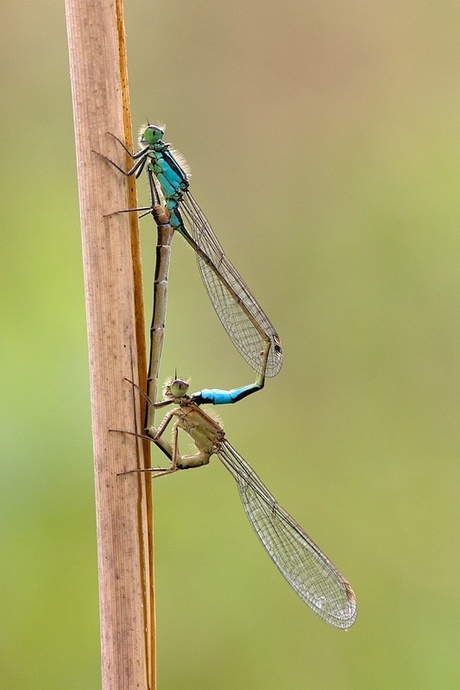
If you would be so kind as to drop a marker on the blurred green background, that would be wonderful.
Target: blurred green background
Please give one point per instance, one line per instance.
(324, 139)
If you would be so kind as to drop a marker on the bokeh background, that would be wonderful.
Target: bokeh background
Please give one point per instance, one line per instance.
(324, 140)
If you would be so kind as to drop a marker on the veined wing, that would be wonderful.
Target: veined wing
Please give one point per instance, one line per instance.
(307, 569)
(242, 317)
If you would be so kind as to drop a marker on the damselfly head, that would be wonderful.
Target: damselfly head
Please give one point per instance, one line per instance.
(175, 388)
(149, 135)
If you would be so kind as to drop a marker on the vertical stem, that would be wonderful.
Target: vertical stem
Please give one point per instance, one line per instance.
(115, 323)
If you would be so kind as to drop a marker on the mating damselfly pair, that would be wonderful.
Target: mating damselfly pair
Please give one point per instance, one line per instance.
(307, 569)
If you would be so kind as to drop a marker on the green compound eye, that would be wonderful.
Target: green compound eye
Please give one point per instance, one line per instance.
(179, 388)
(151, 135)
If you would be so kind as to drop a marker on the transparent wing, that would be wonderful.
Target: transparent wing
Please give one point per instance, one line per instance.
(242, 317)
(307, 569)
